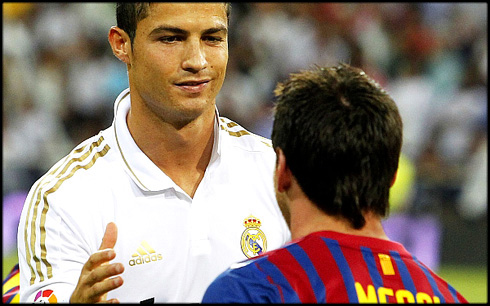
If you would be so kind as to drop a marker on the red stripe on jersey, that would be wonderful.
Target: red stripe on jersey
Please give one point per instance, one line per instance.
(418, 276)
(295, 275)
(461, 298)
(10, 295)
(395, 281)
(326, 268)
(360, 271)
(271, 281)
(357, 265)
(443, 287)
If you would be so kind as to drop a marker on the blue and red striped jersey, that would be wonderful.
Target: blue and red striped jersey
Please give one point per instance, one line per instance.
(11, 286)
(331, 267)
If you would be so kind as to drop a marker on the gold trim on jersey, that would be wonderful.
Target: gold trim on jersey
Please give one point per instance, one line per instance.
(241, 132)
(42, 181)
(119, 146)
(58, 179)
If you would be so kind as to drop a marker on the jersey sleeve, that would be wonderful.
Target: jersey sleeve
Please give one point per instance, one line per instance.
(242, 285)
(51, 249)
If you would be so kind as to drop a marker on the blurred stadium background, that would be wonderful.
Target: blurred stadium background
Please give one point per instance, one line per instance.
(60, 80)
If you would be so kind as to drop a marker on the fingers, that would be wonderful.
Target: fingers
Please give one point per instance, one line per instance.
(99, 289)
(111, 301)
(98, 277)
(98, 258)
(102, 273)
(96, 293)
(94, 284)
(110, 237)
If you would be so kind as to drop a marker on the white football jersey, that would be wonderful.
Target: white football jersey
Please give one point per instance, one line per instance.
(172, 246)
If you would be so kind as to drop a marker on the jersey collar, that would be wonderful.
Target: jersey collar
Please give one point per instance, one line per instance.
(139, 167)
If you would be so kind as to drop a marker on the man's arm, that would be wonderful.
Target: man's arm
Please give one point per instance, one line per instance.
(95, 276)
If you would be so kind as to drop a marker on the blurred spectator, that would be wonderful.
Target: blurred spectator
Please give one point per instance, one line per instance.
(459, 132)
(247, 86)
(413, 93)
(32, 143)
(333, 43)
(473, 199)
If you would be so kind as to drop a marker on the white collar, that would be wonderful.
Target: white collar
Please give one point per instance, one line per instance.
(141, 169)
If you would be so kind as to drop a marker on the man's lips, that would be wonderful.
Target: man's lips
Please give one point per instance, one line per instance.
(193, 86)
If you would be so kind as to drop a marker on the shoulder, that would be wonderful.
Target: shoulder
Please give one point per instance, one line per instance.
(82, 168)
(243, 282)
(239, 137)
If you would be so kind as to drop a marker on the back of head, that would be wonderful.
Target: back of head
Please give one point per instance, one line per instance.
(341, 134)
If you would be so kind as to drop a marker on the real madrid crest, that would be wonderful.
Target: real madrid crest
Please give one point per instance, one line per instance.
(253, 241)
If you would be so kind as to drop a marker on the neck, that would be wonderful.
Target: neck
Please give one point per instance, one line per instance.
(181, 151)
(306, 218)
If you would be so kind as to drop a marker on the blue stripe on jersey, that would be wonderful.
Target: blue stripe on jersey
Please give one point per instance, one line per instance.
(344, 268)
(278, 279)
(453, 293)
(316, 282)
(368, 256)
(405, 275)
(431, 280)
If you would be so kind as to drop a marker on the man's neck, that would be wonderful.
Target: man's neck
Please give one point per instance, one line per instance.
(306, 218)
(182, 152)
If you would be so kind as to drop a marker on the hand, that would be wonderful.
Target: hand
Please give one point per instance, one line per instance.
(96, 276)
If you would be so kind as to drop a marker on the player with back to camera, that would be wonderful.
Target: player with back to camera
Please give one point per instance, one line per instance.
(337, 135)
(153, 208)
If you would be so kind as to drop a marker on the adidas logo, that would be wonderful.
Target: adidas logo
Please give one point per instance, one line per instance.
(144, 254)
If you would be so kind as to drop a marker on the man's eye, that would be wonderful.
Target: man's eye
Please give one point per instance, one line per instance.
(213, 39)
(170, 39)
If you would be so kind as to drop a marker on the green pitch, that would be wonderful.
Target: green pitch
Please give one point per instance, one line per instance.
(8, 262)
(470, 281)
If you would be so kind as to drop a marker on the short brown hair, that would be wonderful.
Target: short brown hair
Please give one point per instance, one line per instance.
(128, 14)
(341, 134)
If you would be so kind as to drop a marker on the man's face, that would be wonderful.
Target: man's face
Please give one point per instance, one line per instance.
(179, 57)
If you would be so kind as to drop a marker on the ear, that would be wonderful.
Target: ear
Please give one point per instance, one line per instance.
(120, 44)
(394, 179)
(283, 173)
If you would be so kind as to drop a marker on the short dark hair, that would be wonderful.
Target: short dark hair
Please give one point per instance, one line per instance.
(128, 14)
(341, 134)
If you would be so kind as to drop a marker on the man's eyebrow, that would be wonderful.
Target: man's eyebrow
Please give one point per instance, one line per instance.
(175, 30)
(163, 28)
(215, 30)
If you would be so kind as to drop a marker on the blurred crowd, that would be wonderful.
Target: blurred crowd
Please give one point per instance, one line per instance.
(60, 80)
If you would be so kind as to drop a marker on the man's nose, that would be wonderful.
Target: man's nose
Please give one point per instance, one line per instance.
(194, 57)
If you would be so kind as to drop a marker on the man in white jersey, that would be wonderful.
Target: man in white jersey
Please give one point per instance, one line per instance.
(153, 208)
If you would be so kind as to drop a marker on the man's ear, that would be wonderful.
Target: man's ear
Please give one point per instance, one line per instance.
(283, 173)
(393, 180)
(120, 44)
